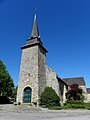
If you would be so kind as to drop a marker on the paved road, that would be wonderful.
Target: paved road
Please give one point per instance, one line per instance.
(30, 113)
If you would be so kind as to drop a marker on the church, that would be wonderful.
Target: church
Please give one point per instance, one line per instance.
(35, 74)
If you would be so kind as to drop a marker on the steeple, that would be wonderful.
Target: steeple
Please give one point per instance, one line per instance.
(35, 32)
(34, 37)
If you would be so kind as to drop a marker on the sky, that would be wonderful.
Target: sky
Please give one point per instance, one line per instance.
(64, 27)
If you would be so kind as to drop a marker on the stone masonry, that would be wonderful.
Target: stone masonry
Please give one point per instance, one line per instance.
(36, 75)
(51, 79)
(32, 69)
(28, 73)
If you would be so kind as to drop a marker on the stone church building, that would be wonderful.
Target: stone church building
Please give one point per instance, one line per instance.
(35, 75)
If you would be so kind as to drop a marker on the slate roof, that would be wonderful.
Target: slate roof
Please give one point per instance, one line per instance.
(34, 38)
(88, 90)
(35, 32)
(77, 80)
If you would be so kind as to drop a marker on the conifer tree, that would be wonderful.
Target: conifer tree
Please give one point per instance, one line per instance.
(6, 82)
(49, 97)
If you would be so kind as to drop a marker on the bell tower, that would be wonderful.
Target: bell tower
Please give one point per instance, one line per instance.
(32, 76)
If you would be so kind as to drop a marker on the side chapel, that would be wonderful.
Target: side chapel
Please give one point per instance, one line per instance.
(35, 75)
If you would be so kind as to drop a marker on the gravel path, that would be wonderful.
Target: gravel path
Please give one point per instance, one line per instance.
(10, 112)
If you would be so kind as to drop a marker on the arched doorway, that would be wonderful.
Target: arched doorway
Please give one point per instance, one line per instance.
(27, 95)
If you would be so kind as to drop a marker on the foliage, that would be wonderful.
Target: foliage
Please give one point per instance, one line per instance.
(77, 105)
(87, 106)
(15, 93)
(75, 93)
(4, 100)
(55, 107)
(49, 98)
(74, 102)
(74, 106)
(6, 82)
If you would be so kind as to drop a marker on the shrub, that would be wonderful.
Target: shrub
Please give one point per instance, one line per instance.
(78, 106)
(49, 97)
(55, 107)
(75, 93)
(73, 106)
(87, 106)
(75, 102)
(67, 106)
(4, 100)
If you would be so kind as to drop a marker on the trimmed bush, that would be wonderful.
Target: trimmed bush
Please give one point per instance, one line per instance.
(87, 106)
(77, 106)
(49, 98)
(75, 102)
(74, 105)
(55, 107)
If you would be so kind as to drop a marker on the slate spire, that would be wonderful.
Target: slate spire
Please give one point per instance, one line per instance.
(35, 32)
(34, 37)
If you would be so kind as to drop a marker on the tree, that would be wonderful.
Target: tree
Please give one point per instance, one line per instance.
(6, 82)
(75, 93)
(15, 93)
(49, 97)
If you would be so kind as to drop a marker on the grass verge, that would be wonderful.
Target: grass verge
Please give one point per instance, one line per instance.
(71, 106)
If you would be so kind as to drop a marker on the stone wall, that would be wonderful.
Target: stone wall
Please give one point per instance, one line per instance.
(28, 73)
(51, 79)
(64, 94)
(41, 70)
(88, 97)
(84, 91)
(63, 88)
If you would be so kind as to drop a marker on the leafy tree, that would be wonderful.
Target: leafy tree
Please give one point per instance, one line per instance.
(75, 93)
(15, 93)
(49, 97)
(6, 82)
